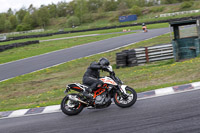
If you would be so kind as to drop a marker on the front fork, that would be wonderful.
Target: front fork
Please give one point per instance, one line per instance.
(123, 89)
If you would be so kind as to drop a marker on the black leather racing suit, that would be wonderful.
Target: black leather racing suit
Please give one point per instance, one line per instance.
(92, 75)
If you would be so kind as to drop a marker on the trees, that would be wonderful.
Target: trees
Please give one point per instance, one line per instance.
(122, 8)
(7, 26)
(170, 1)
(27, 22)
(81, 8)
(62, 9)
(10, 12)
(13, 21)
(2, 22)
(43, 16)
(77, 12)
(53, 11)
(27, 19)
(136, 10)
(94, 5)
(109, 5)
(186, 4)
(20, 14)
(31, 9)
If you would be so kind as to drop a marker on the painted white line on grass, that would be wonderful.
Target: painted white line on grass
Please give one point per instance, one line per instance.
(18, 113)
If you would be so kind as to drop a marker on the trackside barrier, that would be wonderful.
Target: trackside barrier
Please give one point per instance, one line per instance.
(102, 28)
(22, 32)
(135, 57)
(14, 45)
(179, 13)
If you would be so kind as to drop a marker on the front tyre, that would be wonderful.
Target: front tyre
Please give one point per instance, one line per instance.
(125, 100)
(70, 107)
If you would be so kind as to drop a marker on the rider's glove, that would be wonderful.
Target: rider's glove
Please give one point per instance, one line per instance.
(104, 68)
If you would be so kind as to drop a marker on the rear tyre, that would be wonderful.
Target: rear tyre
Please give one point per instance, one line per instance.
(127, 100)
(70, 107)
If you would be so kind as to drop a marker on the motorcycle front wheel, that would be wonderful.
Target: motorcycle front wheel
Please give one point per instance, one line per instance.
(125, 100)
(70, 107)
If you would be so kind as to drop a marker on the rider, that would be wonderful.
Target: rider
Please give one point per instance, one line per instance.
(144, 27)
(92, 75)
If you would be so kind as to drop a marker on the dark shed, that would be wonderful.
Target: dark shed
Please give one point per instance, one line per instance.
(185, 44)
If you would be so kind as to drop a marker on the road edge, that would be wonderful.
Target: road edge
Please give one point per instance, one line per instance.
(142, 95)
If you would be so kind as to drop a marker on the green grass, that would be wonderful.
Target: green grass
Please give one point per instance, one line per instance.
(152, 26)
(111, 18)
(45, 47)
(141, 19)
(46, 87)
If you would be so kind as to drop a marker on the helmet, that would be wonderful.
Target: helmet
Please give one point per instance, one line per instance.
(104, 62)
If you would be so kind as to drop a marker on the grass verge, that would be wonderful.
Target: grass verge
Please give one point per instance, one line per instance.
(152, 26)
(45, 47)
(46, 87)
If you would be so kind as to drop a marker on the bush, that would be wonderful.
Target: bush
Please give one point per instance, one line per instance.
(114, 17)
(186, 4)
(23, 27)
(136, 10)
(170, 1)
(157, 9)
(73, 21)
(87, 18)
(99, 15)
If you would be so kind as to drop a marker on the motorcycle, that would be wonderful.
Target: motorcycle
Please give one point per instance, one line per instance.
(144, 29)
(112, 88)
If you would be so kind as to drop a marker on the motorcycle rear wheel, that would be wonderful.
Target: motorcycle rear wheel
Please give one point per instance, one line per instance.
(70, 107)
(128, 101)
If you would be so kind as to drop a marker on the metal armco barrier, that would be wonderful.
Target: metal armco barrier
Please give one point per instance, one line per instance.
(154, 53)
(179, 13)
(135, 57)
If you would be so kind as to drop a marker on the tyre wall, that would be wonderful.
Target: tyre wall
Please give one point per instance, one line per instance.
(15, 45)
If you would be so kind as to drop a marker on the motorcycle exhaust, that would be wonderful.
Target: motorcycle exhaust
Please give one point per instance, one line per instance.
(73, 98)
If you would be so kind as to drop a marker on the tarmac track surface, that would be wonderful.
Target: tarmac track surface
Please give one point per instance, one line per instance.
(178, 113)
(20, 67)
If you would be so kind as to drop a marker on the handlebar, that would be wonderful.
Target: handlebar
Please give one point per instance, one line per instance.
(112, 75)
